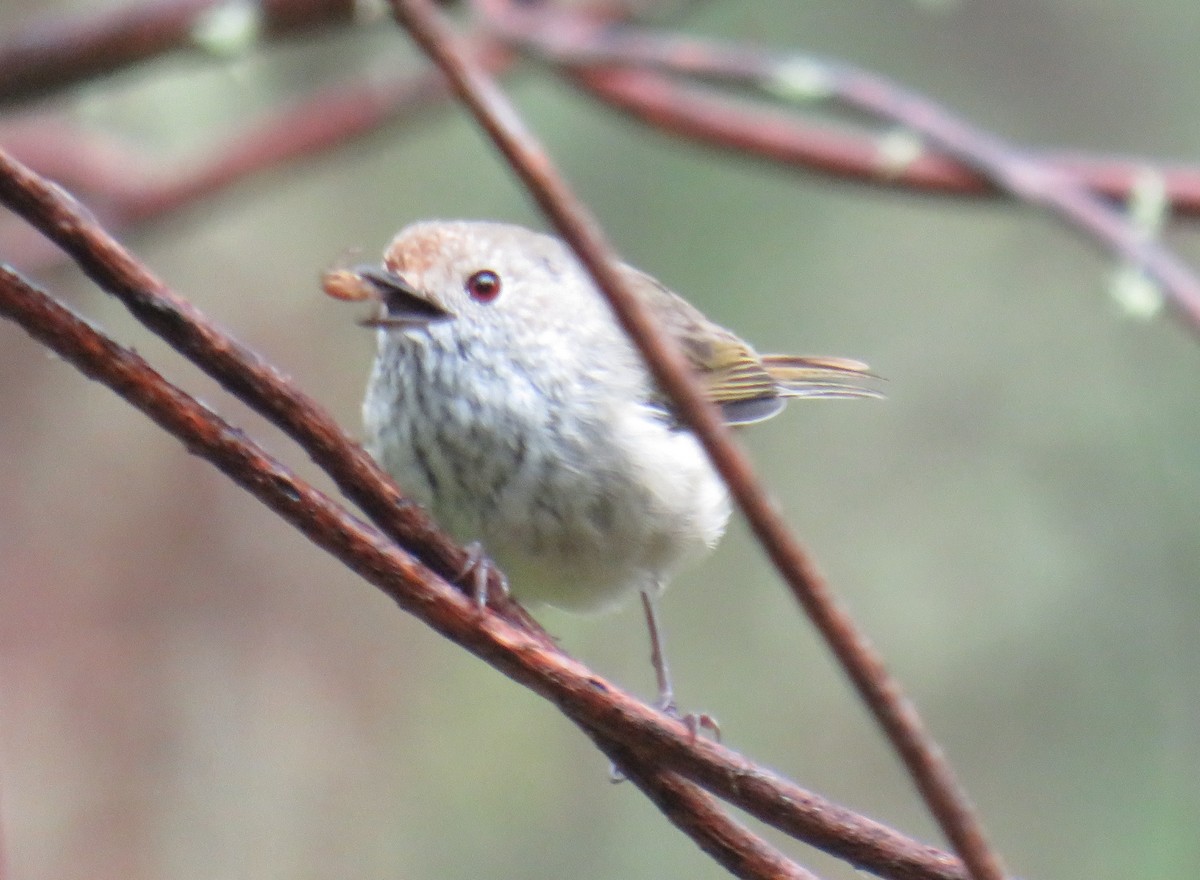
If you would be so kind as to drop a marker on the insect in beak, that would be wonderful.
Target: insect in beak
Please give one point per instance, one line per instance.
(400, 304)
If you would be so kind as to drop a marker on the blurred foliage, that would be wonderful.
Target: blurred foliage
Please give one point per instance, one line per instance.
(189, 689)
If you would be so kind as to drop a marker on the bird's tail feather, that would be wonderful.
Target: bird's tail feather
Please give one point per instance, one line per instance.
(815, 376)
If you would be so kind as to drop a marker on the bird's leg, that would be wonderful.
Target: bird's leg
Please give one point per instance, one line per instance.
(665, 703)
(666, 693)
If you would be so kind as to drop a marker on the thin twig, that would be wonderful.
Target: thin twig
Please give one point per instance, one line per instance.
(123, 193)
(804, 144)
(413, 587)
(53, 53)
(242, 372)
(355, 544)
(574, 39)
(921, 755)
(698, 816)
(706, 117)
(517, 652)
(318, 123)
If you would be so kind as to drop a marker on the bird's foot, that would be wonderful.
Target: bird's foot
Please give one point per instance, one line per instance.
(693, 721)
(476, 573)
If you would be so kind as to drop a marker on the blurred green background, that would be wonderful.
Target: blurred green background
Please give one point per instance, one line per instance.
(188, 689)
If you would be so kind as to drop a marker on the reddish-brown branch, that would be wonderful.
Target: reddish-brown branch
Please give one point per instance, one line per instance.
(706, 117)
(320, 122)
(355, 544)
(71, 49)
(61, 219)
(122, 192)
(596, 704)
(518, 652)
(698, 816)
(54, 53)
(577, 40)
(921, 755)
(971, 162)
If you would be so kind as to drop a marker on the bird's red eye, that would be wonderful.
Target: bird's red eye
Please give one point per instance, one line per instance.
(484, 286)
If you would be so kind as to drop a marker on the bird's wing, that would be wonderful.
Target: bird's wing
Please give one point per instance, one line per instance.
(732, 372)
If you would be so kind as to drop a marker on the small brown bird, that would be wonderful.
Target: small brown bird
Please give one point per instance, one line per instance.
(505, 398)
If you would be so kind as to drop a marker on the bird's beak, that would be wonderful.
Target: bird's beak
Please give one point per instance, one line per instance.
(400, 304)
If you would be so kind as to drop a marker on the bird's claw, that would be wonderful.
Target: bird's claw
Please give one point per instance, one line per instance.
(693, 721)
(476, 572)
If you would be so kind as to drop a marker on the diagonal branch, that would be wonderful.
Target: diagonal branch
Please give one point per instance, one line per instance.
(320, 122)
(697, 815)
(805, 144)
(922, 757)
(57, 52)
(124, 194)
(523, 653)
(207, 435)
(52, 54)
(576, 40)
(238, 369)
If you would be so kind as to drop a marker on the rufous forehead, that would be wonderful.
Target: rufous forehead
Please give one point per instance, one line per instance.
(415, 254)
